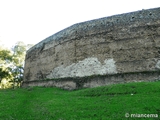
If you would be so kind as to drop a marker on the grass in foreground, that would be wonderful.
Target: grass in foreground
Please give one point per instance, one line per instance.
(101, 103)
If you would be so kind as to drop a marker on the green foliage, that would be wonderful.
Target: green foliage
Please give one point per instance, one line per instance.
(5, 55)
(102, 103)
(4, 74)
(5, 61)
(12, 63)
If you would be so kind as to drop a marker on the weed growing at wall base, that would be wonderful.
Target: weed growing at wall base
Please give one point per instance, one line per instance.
(107, 103)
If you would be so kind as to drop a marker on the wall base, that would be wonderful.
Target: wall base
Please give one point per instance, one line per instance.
(94, 81)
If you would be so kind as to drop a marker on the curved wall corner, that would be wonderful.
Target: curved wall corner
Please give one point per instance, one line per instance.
(120, 44)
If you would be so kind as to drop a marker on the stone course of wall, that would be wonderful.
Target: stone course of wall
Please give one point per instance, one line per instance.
(119, 44)
(94, 81)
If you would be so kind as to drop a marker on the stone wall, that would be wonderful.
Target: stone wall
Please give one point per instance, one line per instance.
(119, 44)
(73, 83)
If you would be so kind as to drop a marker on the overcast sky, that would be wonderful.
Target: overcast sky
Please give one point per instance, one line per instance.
(31, 21)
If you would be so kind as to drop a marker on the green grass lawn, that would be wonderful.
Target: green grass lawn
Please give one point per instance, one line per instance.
(102, 103)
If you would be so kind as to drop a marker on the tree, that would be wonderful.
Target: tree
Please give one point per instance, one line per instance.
(19, 51)
(12, 63)
(5, 62)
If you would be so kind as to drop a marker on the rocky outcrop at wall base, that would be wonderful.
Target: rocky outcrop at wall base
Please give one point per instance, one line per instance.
(94, 81)
(111, 46)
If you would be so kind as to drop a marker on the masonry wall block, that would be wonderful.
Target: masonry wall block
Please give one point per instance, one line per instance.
(115, 45)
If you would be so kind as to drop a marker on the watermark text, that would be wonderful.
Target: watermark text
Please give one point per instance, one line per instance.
(136, 115)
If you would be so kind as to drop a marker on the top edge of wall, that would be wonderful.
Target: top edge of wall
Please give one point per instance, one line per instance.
(153, 13)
